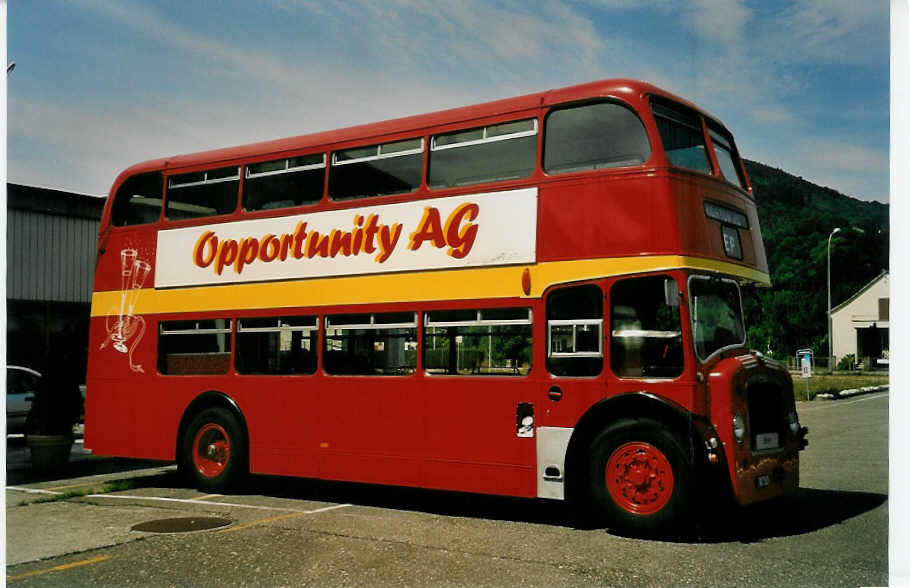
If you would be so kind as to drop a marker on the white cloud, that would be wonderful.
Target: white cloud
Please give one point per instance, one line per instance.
(722, 22)
(772, 115)
(834, 31)
(372, 60)
(843, 156)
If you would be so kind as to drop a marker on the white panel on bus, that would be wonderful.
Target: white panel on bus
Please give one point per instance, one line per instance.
(552, 443)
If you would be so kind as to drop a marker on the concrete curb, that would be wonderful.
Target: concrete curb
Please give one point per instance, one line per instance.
(852, 392)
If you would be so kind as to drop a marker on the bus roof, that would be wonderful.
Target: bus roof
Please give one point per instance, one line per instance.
(631, 91)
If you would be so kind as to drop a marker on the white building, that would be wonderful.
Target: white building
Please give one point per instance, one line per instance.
(859, 325)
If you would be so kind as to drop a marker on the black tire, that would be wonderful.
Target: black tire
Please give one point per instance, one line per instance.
(647, 490)
(213, 452)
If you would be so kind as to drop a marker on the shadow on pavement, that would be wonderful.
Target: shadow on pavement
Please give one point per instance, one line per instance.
(439, 502)
(19, 468)
(810, 510)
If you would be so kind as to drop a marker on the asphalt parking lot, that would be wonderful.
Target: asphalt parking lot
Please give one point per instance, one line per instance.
(82, 530)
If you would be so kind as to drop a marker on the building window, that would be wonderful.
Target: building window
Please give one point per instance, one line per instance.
(488, 342)
(883, 309)
(377, 170)
(371, 344)
(277, 345)
(194, 347)
(493, 153)
(594, 136)
(205, 193)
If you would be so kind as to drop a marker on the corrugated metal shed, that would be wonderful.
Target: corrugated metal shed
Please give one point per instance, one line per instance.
(51, 237)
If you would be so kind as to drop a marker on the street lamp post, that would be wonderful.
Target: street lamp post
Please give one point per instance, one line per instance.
(837, 229)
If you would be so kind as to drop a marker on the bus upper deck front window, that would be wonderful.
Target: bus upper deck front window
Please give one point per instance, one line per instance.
(681, 134)
(723, 150)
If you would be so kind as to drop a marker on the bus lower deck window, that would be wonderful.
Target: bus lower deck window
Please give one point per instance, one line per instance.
(194, 347)
(382, 344)
(478, 342)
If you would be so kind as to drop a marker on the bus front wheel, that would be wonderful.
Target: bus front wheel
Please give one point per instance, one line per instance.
(638, 478)
(213, 454)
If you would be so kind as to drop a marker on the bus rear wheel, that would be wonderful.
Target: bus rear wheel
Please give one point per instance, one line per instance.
(213, 453)
(638, 478)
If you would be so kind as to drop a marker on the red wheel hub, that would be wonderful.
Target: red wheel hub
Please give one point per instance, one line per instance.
(211, 450)
(639, 478)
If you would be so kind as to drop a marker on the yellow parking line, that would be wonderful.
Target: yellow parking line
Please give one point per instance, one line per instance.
(75, 564)
(264, 521)
(282, 517)
(207, 496)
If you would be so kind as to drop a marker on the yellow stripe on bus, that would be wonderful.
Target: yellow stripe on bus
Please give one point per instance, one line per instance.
(466, 284)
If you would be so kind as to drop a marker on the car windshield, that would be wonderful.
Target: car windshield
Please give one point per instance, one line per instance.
(717, 318)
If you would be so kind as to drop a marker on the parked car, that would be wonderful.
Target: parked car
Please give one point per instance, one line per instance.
(22, 384)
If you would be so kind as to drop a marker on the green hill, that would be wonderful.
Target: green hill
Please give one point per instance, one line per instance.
(796, 218)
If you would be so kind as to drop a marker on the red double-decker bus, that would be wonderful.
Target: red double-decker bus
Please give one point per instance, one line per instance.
(535, 297)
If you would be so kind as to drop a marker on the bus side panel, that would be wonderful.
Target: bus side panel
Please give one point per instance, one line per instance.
(594, 218)
(366, 429)
(473, 442)
(280, 412)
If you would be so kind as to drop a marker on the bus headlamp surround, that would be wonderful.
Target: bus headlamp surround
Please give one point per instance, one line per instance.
(739, 428)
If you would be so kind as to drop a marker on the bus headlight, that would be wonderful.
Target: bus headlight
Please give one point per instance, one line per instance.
(739, 428)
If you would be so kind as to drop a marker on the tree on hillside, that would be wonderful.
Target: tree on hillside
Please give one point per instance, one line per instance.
(796, 218)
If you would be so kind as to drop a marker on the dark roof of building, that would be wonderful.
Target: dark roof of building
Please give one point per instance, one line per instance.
(56, 202)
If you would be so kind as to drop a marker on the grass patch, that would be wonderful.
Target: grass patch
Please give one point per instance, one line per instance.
(107, 487)
(835, 383)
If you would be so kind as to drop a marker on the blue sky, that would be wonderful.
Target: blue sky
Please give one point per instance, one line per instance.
(100, 85)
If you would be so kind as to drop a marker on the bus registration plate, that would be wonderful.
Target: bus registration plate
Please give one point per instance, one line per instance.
(766, 441)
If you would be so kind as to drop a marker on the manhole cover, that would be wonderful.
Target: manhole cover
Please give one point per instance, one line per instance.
(181, 525)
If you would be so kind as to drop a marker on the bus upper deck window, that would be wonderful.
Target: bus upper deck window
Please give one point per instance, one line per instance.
(205, 193)
(376, 170)
(505, 151)
(281, 183)
(680, 131)
(138, 201)
(592, 136)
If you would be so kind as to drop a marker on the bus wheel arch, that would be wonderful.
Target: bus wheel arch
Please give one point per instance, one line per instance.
(212, 445)
(644, 425)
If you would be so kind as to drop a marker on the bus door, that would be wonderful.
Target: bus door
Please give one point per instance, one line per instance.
(573, 380)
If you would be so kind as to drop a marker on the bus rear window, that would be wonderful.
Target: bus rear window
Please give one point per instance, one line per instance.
(138, 201)
(680, 131)
(593, 136)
